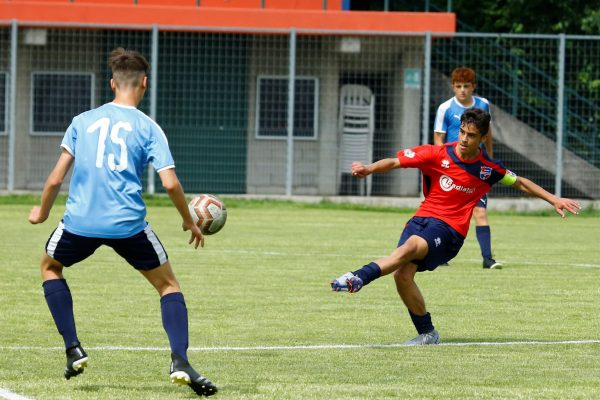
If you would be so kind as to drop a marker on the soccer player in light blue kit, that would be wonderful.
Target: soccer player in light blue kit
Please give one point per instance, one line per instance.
(446, 129)
(109, 147)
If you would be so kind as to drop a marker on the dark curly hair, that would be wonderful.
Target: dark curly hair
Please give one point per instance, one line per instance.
(478, 117)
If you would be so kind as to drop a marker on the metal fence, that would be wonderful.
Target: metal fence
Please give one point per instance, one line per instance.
(282, 112)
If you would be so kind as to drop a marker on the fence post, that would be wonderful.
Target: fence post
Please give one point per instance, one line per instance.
(153, 90)
(290, 113)
(560, 115)
(14, 37)
(514, 93)
(426, 89)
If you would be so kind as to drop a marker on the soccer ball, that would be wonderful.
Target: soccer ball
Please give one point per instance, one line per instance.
(208, 212)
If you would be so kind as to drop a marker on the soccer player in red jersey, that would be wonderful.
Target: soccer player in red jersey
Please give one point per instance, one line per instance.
(456, 176)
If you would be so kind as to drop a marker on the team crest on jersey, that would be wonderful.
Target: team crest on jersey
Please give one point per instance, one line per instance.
(485, 172)
(409, 153)
(445, 164)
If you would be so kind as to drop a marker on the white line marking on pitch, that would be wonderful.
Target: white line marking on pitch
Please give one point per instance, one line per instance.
(7, 394)
(311, 347)
(288, 254)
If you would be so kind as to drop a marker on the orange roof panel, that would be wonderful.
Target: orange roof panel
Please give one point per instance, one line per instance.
(218, 18)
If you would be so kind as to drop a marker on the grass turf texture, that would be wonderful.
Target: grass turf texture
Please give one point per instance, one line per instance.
(263, 281)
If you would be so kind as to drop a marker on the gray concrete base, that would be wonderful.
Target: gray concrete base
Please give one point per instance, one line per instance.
(520, 204)
(504, 204)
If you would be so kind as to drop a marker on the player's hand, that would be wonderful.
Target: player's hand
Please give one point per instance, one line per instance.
(360, 170)
(566, 204)
(196, 237)
(35, 215)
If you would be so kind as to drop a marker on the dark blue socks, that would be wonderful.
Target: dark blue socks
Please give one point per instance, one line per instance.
(484, 237)
(422, 322)
(175, 322)
(368, 273)
(60, 303)
(173, 309)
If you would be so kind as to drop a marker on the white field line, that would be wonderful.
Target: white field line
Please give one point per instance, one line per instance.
(7, 394)
(314, 346)
(544, 263)
(338, 255)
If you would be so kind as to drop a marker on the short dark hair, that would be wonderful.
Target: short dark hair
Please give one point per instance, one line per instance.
(128, 66)
(478, 117)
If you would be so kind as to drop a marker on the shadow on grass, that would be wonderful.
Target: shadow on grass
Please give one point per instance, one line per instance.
(166, 388)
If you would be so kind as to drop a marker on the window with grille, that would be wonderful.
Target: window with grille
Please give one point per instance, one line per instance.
(56, 98)
(272, 107)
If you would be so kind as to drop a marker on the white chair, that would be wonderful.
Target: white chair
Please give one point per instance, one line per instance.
(356, 124)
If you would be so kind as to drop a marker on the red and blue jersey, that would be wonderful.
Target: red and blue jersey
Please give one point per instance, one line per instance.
(453, 186)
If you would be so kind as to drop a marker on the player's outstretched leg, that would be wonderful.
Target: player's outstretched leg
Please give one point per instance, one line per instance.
(354, 281)
(182, 373)
(77, 360)
(347, 283)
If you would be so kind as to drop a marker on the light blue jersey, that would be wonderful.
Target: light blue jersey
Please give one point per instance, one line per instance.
(112, 145)
(447, 118)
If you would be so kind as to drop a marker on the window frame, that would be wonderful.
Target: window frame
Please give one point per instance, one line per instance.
(315, 127)
(92, 77)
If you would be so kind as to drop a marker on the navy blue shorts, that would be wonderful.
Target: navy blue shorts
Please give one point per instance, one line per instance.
(142, 250)
(443, 240)
(483, 202)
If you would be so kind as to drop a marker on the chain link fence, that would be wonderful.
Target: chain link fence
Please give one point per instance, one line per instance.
(283, 112)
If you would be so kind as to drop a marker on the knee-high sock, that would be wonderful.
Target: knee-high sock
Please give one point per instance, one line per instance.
(368, 272)
(60, 303)
(422, 322)
(175, 322)
(484, 237)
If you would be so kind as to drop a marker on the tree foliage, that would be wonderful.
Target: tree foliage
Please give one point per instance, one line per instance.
(523, 75)
(530, 16)
(578, 17)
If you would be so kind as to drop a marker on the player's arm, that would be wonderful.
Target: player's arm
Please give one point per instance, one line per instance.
(381, 166)
(175, 191)
(52, 186)
(559, 203)
(439, 138)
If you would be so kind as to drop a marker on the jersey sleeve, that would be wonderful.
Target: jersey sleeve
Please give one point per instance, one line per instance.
(440, 124)
(70, 138)
(484, 104)
(498, 173)
(416, 157)
(159, 153)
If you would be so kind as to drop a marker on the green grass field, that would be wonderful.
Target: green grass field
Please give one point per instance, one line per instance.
(264, 324)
